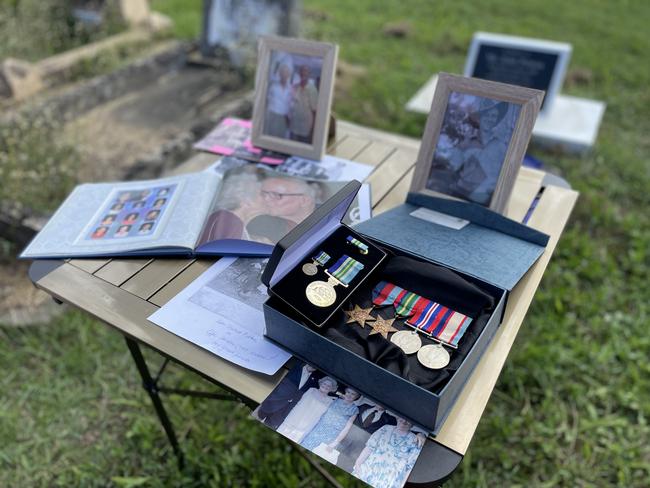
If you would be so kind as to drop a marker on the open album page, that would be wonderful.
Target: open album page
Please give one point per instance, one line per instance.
(104, 219)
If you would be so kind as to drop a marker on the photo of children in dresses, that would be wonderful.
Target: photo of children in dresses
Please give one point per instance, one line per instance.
(132, 213)
(292, 96)
(472, 147)
(343, 427)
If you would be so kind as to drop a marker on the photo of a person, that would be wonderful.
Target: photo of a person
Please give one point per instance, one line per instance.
(99, 233)
(131, 196)
(163, 192)
(130, 218)
(131, 208)
(122, 231)
(369, 420)
(262, 205)
(472, 146)
(152, 215)
(389, 455)
(303, 106)
(335, 422)
(268, 229)
(108, 219)
(292, 96)
(308, 411)
(276, 407)
(145, 228)
(278, 102)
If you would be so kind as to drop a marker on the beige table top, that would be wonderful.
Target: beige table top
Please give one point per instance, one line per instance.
(124, 292)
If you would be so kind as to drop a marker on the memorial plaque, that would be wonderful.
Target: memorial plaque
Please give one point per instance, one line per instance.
(531, 63)
(236, 25)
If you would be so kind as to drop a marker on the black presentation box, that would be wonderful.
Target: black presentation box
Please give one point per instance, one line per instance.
(491, 253)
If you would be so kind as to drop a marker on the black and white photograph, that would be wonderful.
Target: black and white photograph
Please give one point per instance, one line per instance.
(475, 140)
(343, 427)
(472, 146)
(293, 96)
(241, 281)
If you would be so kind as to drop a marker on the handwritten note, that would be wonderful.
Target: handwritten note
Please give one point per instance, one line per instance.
(221, 311)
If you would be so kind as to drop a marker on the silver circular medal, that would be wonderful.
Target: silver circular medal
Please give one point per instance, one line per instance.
(433, 356)
(408, 341)
(310, 269)
(321, 293)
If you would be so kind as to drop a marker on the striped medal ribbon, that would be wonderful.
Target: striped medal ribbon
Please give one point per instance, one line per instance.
(385, 293)
(363, 248)
(409, 303)
(345, 269)
(322, 258)
(311, 269)
(441, 323)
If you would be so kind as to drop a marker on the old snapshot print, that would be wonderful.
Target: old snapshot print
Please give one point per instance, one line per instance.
(472, 146)
(221, 311)
(337, 423)
(293, 96)
(475, 139)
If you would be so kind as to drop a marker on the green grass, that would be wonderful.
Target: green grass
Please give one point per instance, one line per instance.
(572, 405)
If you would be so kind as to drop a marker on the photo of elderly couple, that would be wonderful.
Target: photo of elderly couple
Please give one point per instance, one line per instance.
(262, 205)
(335, 422)
(292, 96)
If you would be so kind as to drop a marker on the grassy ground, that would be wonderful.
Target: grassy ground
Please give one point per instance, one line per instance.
(572, 405)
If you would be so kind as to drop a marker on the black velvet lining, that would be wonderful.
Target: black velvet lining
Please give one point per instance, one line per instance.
(431, 281)
(459, 292)
(291, 288)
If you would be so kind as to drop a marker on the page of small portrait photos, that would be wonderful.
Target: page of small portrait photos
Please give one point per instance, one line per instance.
(472, 147)
(132, 213)
(343, 427)
(292, 96)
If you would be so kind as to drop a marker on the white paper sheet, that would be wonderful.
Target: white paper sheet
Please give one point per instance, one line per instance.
(221, 311)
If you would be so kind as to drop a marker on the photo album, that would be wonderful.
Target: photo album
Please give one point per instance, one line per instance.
(234, 207)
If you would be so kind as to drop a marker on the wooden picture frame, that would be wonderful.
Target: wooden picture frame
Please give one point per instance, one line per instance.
(529, 60)
(457, 168)
(275, 54)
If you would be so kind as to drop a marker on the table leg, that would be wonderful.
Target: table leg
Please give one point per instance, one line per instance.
(149, 384)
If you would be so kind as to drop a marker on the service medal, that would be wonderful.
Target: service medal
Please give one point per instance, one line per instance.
(433, 356)
(321, 293)
(407, 341)
(310, 269)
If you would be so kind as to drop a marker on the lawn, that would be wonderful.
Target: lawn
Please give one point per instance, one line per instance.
(572, 405)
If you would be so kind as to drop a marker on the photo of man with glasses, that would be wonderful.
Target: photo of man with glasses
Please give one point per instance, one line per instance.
(260, 205)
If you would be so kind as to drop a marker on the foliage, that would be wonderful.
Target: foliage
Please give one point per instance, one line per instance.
(35, 29)
(37, 170)
(572, 405)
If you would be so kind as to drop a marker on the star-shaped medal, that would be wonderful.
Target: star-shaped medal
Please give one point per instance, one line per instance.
(359, 315)
(383, 327)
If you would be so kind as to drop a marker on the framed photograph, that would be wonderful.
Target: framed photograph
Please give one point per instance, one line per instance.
(532, 63)
(293, 95)
(474, 141)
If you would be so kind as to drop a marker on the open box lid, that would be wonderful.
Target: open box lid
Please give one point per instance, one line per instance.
(291, 249)
(491, 247)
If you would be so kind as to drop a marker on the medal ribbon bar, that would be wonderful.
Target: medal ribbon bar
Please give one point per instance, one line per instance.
(385, 293)
(441, 323)
(322, 258)
(356, 242)
(345, 269)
